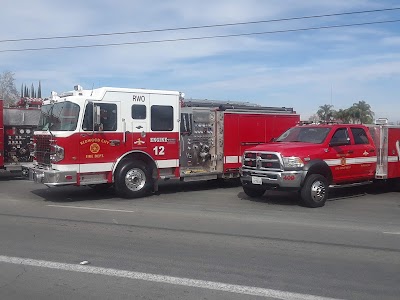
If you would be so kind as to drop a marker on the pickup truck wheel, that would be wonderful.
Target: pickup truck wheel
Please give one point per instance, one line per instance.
(315, 191)
(133, 179)
(254, 192)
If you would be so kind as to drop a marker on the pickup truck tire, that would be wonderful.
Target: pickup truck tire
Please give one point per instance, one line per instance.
(133, 179)
(314, 191)
(253, 192)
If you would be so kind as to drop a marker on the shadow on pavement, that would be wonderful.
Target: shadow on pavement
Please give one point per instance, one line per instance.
(73, 194)
(76, 194)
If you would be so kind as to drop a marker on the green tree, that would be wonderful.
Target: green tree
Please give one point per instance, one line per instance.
(326, 112)
(32, 91)
(361, 112)
(343, 115)
(39, 92)
(8, 90)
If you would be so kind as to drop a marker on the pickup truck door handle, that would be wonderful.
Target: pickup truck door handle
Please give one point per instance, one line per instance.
(371, 150)
(350, 151)
(139, 127)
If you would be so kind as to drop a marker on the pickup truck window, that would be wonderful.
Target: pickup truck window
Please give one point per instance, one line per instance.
(360, 137)
(341, 136)
(305, 134)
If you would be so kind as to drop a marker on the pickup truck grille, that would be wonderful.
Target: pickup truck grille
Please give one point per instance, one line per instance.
(42, 151)
(267, 161)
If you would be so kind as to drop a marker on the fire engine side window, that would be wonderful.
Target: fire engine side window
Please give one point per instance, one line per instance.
(88, 118)
(360, 137)
(108, 117)
(162, 118)
(341, 136)
(138, 112)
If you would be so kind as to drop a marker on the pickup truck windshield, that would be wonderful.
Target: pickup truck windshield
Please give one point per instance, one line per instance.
(305, 134)
(59, 117)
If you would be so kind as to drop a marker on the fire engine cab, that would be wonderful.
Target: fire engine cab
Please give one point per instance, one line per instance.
(132, 138)
(312, 158)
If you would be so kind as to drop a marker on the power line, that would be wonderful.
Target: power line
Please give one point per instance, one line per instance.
(203, 37)
(201, 26)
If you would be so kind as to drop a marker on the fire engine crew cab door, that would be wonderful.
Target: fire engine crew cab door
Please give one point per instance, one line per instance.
(100, 145)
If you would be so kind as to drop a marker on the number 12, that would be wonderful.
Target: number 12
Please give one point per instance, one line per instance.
(159, 150)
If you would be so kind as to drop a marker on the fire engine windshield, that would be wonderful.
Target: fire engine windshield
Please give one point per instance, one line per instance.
(305, 134)
(61, 116)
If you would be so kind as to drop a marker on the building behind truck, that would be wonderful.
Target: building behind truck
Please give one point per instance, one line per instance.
(17, 124)
(133, 138)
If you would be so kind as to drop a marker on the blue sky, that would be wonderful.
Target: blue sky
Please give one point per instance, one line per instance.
(302, 70)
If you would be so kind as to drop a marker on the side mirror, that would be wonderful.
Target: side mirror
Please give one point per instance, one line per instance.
(97, 118)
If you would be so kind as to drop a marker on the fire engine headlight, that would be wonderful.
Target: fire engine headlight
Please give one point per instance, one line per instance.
(292, 162)
(57, 154)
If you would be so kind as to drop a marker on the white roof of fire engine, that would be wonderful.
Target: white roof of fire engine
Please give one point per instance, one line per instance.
(98, 94)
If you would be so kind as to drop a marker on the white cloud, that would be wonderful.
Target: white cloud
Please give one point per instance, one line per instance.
(291, 69)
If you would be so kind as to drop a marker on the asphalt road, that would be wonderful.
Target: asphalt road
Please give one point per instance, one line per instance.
(196, 241)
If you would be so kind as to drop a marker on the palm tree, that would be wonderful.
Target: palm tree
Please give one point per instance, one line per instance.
(343, 115)
(361, 112)
(325, 112)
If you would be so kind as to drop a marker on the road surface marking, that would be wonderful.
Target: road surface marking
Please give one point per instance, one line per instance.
(388, 232)
(210, 285)
(92, 208)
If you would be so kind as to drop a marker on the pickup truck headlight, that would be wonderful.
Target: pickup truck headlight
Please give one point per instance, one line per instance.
(292, 162)
(57, 153)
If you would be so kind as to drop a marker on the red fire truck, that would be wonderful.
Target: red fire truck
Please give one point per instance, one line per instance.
(17, 124)
(132, 138)
(312, 158)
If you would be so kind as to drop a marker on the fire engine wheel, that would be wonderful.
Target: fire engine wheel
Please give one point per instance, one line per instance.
(253, 192)
(315, 191)
(133, 179)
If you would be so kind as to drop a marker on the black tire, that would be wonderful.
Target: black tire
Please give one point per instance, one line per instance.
(133, 179)
(253, 192)
(315, 191)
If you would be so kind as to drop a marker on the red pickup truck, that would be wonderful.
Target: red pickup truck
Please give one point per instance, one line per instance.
(313, 158)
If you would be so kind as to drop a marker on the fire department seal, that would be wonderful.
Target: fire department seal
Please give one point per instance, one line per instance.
(343, 161)
(94, 148)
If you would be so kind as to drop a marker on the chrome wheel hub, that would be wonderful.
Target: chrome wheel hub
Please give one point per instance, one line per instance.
(318, 191)
(135, 179)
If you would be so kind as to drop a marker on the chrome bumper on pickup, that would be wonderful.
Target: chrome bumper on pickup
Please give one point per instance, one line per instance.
(51, 177)
(285, 179)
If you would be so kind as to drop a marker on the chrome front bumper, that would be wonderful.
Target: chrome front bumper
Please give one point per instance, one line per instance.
(284, 180)
(52, 177)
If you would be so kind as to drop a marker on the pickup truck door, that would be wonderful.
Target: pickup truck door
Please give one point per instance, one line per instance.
(364, 153)
(340, 156)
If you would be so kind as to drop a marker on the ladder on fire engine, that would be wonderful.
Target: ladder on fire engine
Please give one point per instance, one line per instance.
(234, 105)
